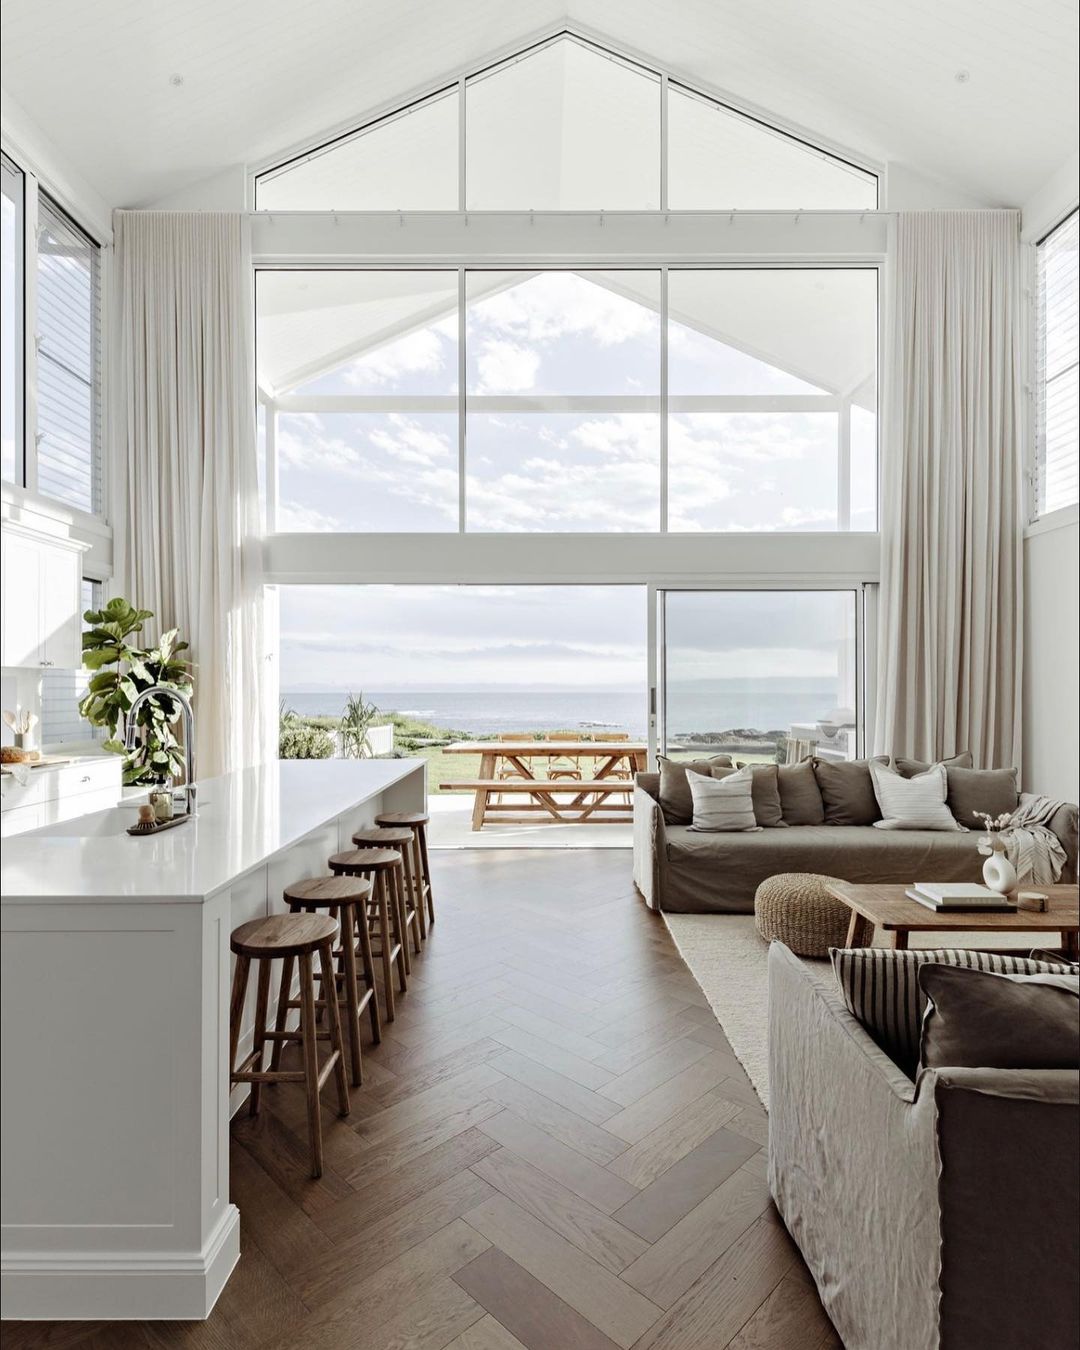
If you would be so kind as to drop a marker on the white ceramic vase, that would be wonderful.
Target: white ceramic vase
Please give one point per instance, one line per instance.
(998, 872)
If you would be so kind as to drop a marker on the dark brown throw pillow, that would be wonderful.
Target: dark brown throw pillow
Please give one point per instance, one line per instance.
(676, 801)
(994, 792)
(976, 1019)
(764, 792)
(800, 796)
(908, 768)
(847, 790)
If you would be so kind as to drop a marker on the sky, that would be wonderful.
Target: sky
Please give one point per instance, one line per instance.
(566, 334)
(431, 637)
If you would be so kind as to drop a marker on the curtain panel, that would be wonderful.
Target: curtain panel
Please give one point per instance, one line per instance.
(186, 495)
(951, 604)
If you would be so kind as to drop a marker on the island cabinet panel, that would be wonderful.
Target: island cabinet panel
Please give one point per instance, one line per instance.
(114, 1036)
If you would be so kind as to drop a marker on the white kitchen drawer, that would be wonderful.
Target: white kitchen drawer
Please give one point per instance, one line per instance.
(63, 782)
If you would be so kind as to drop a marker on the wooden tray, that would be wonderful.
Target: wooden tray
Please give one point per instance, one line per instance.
(157, 826)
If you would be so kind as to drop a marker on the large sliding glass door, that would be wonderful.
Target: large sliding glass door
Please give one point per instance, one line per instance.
(760, 674)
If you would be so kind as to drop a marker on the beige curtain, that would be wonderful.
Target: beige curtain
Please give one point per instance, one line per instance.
(186, 495)
(951, 618)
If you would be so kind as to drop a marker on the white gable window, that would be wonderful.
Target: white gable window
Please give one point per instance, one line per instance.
(12, 336)
(1056, 425)
(566, 125)
(68, 393)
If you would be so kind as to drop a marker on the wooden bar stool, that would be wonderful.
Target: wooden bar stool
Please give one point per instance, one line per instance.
(346, 899)
(403, 840)
(382, 867)
(417, 821)
(291, 937)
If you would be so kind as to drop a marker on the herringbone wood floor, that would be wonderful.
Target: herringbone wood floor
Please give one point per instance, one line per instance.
(554, 1148)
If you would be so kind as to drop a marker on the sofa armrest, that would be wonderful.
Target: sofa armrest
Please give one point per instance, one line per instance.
(1009, 1199)
(1065, 823)
(650, 844)
(852, 1165)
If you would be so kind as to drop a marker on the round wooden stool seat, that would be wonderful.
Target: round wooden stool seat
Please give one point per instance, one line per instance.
(328, 892)
(382, 836)
(402, 818)
(283, 935)
(365, 859)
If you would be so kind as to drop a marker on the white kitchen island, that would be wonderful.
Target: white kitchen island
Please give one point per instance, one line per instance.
(115, 998)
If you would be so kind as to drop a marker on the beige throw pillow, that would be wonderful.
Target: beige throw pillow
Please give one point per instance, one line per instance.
(916, 803)
(722, 805)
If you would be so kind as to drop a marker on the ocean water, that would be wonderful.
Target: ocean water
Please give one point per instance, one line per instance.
(705, 706)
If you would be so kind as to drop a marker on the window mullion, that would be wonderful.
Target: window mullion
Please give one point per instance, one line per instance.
(30, 334)
(663, 400)
(462, 368)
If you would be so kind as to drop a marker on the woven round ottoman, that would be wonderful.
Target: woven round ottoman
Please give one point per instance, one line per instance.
(796, 908)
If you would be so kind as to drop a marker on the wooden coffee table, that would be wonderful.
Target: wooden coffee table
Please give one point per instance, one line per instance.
(888, 908)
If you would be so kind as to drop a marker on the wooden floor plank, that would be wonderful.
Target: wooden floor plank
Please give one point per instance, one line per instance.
(586, 1103)
(487, 1334)
(537, 1318)
(685, 1184)
(602, 1298)
(591, 1141)
(634, 1122)
(596, 1233)
(644, 1161)
(565, 1165)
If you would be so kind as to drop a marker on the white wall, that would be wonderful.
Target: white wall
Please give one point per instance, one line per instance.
(1051, 567)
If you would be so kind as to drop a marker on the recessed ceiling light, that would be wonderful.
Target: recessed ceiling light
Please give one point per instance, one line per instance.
(962, 76)
(176, 81)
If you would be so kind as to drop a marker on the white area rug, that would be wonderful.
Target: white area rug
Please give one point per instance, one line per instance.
(729, 961)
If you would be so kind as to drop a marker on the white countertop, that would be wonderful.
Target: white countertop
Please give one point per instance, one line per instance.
(244, 819)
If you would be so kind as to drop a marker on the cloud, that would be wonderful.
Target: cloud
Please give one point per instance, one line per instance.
(553, 305)
(426, 351)
(505, 367)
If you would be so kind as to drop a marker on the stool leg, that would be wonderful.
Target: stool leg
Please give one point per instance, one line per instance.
(236, 1005)
(397, 901)
(349, 979)
(311, 1062)
(368, 963)
(333, 1018)
(284, 994)
(378, 890)
(421, 830)
(414, 888)
(262, 1000)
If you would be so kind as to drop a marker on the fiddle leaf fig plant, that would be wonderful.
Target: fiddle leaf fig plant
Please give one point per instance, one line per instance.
(121, 670)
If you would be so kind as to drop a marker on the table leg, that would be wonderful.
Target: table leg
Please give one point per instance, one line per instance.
(860, 930)
(1070, 944)
(480, 801)
(900, 940)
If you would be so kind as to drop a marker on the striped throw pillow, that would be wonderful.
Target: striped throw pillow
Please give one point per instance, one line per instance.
(881, 988)
(916, 803)
(722, 804)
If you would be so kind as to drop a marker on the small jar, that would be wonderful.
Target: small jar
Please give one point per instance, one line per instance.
(162, 803)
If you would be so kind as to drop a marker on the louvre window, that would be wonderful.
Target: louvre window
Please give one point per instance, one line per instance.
(11, 326)
(1056, 477)
(68, 361)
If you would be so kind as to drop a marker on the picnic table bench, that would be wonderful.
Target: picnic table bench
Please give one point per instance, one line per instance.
(563, 795)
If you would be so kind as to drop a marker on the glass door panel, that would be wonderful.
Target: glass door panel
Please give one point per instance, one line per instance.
(765, 676)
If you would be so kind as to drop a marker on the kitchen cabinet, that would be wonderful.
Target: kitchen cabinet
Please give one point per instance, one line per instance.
(42, 587)
(59, 792)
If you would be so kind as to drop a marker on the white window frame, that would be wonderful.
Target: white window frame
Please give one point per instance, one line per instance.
(662, 404)
(1040, 522)
(457, 83)
(42, 511)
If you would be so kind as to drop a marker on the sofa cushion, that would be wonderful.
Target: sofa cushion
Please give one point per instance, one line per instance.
(880, 987)
(800, 796)
(916, 803)
(977, 1019)
(910, 767)
(719, 873)
(675, 800)
(765, 790)
(722, 803)
(992, 791)
(847, 791)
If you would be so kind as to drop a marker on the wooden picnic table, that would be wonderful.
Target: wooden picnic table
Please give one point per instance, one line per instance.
(510, 768)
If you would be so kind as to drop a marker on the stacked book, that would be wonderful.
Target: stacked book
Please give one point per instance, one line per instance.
(958, 895)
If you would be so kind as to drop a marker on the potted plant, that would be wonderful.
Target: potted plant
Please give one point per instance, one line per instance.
(121, 671)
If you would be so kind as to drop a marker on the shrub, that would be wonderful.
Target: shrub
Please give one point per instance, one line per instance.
(296, 741)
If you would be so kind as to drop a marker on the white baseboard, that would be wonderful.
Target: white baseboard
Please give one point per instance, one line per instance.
(121, 1285)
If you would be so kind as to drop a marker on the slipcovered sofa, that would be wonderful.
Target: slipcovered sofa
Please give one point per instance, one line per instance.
(678, 870)
(939, 1214)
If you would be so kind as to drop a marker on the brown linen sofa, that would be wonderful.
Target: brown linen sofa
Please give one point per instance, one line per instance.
(683, 872)
(933, 1215)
